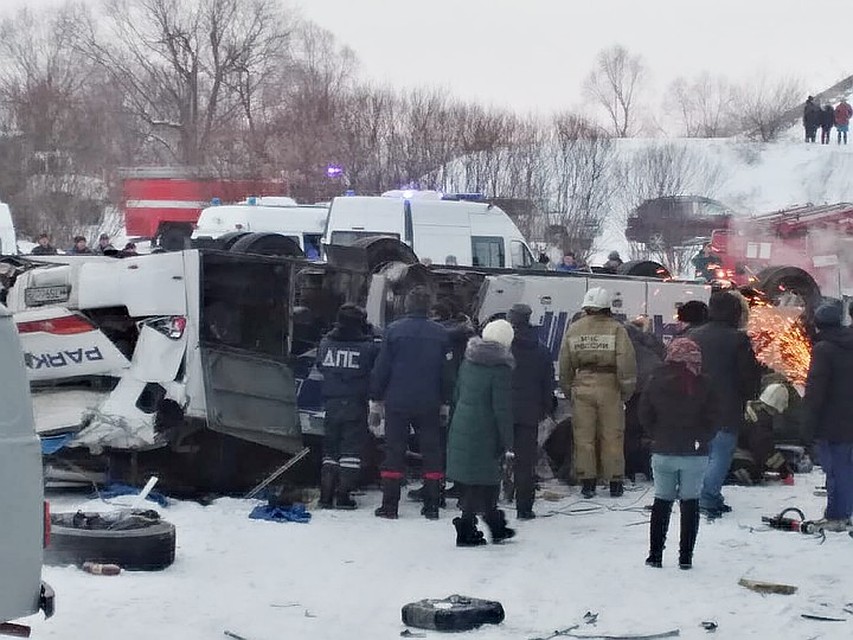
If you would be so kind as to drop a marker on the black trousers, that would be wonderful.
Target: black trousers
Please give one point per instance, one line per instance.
(345, 430)
(479, 498)
(525, 448)
(427, 426)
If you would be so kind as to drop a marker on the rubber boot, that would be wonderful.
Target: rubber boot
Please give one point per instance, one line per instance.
(588, 489)
(689, 530)
(496, 521)
(348, 481)
(467, 533)
(617, 489)
(432, 496)
(390, 499)
(661, 512)
(328, 479)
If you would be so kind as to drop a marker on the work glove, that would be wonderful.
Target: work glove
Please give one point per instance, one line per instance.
(444, 414)
(375, 418)
(750, 415)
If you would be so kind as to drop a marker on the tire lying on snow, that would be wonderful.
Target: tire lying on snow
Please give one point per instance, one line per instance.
(138, 541)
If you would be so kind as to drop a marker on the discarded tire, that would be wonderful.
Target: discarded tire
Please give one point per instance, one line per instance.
(267, 244)
(454, 613)
(137, 541)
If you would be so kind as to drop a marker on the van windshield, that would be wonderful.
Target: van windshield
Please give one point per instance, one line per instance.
(349, 238)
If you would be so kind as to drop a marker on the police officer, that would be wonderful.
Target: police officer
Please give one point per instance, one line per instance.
(413, 377)
(598, 370)
(345, 358)
(532, 401)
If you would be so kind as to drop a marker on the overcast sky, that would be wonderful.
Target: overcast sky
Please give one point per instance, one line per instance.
(534, 54)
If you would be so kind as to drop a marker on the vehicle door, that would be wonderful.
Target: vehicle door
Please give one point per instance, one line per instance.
(244, 342)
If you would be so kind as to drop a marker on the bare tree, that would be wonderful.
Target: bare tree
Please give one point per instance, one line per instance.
(614, 84)
(178, 61)
(581, 184)
(701, 105)
(760, 106)
(658, 173)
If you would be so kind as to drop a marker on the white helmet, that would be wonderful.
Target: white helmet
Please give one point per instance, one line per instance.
(499, 331)
(776, 396)
(596, 298)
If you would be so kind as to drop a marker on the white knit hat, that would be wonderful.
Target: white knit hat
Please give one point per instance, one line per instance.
(776, 396)
(499, 331)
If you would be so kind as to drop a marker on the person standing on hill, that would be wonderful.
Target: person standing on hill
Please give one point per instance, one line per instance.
(827, 120)
(811, 118)
(843, 113)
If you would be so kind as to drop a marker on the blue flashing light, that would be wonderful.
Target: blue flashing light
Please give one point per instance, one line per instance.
(334, 171)
(252, 201)
(349, 192)
(215, 202)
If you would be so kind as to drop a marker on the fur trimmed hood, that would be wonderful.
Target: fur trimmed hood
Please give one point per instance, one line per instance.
(489, 354)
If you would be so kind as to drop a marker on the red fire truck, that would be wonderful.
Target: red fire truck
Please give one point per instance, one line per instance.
(163, 203)
(798, 249)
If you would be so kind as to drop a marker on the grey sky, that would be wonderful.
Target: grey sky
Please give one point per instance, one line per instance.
(534, 54)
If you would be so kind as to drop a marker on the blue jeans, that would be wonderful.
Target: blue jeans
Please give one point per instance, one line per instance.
(678, 477)
(721, 451)
(836, 459)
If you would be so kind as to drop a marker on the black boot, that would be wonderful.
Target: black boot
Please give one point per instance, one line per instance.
(390, 499)
(617, 489)
(588, 488)
(348, 482)
(432, 495)
(661, 511)
(467, 533)
(496, 520)
(328, 479)
(689, 530)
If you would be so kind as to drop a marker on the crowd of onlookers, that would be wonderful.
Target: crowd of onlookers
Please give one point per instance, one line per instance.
(825, 118)
(80, 246)
(678, 413)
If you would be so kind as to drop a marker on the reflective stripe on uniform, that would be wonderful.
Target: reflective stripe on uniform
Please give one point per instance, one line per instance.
(350, 463)
(330, 461)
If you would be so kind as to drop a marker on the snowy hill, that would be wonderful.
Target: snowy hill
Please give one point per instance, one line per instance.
(753, 177)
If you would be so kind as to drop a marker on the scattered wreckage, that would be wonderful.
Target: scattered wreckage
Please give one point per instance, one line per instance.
(199, 364)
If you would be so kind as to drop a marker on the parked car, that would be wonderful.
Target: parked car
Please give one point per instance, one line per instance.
(25, 522)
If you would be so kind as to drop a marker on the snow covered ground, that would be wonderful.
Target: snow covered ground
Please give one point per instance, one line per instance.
(347, 574)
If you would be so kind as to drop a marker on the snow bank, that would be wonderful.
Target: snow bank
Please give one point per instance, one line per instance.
(347, 574)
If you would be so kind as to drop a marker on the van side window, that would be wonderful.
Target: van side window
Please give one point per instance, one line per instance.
(521, 258)
(487, 251)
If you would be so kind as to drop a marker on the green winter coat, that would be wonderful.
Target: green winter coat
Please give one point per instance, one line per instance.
(481, 429)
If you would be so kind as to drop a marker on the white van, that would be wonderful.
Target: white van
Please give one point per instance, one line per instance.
(437, 227)
(8, 242)
(304, 224)
(24, 524)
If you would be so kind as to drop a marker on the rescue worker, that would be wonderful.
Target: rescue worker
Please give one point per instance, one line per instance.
(706, 263)
(345, 357)
(413, 378)
(481, 433)
(828, 405)
(729, 361)
(598, 371)
(614, 261)
(532, 400)
(756, 447)
(459, 329)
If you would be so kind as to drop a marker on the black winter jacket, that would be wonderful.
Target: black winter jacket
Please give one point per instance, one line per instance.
(811, 115)
(828, 403)
(459, 330)
(414, 369)
(346, 361)
(533, 379)
(729, 362)
(677, 423)
(827, 117)
(650, 353)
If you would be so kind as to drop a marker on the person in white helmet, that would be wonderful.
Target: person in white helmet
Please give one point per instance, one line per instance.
(598, 371)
